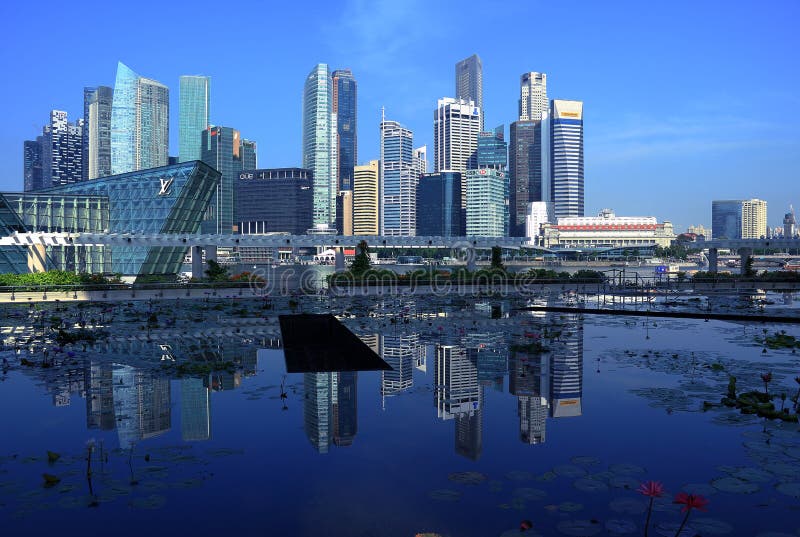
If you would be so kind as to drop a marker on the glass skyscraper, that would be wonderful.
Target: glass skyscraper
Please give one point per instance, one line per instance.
(57, 161)
(492, 149)
(439, 210)
(139, 122)
(193, 115)
(487, 203)
(398, 181)
(96, 157)
(456, 125)
(566, 157)
(532, 96)
(528, 171)
(738, 219)
(319, 142)
(469, 81)
(345, 106)
(222, 150)
(274, 200)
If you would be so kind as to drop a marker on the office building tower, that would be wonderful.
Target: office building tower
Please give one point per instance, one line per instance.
(249, 154)
(456, 125)
(195, 409)
(320, 394)
(469, 81)
(319, 142)
(345, 106)
(539, 213)
(566, 369)
(469, 431)
(529, 381)
(487, 203)
(344, 212)
(366, 202)
(532, 96)
(400, 351)
(139, 123)
(194, 104)
(789, 224)
(439, 210)
(96, 153)
(738, 219)
(344, 414)
(60, 152)
(492, 149)
(99, 384)
(566, 157)
(222, 150)
(457, 388)
(528, 169)
(421, 159)
(277, 200)
(141, 404)
(398, 183)
(32, 164)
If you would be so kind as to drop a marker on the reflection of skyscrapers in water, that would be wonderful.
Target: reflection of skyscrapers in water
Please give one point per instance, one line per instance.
(141, 404)
(459, 396)
(195, 409)
(489, 351)
(330, 409)
(566, 387)
(401, 352)
(529, 380)
(100, 397)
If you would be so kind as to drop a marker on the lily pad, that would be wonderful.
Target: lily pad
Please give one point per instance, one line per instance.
(519, 475)
(626, 469)
(628, 506)
(547, 476)
(590, 485)
(584, 460)
(734, 485)
(445, 495)
(624, 482)
(579, 528)
(569, 470)
(670, 529)
(570, 507)
(530, 494)
(753, 475)
(703, 489)
(711, 526)
(790, 489)
(616, 526)
(467, 478)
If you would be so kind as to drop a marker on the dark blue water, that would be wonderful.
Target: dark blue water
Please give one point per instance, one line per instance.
(472, 432)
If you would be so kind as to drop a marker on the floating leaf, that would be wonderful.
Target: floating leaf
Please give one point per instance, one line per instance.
(670, 529)
(530, 494)
(467, 478)
(790, 489)
(445, 495)
(753, 475)
(617, 526)
(547, 476)
(519, 475)
(590, 485)
(52, 456)
(570, 507)
(626, 469)
(584, 460)
(702, 489)
(734, 485)
(624, 482)
(50, 480)
(628, 506)
(711, 526)
(569, 470)
(579, 528)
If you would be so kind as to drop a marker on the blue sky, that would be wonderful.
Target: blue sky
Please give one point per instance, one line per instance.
(685, 101)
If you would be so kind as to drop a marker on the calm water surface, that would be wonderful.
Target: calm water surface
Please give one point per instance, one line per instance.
(492, 415)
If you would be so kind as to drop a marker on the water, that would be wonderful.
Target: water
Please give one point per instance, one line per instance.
(561, 437)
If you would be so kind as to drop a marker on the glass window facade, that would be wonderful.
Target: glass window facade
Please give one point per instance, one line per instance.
(193, 116)
(319, 142)
(345, 106)
(96, 159)
(439, 211)
(492, 149)
(487, 203)
(398, 183)
(274, 200)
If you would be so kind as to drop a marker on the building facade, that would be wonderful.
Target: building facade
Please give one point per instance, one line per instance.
(366, 199)
(533, 101)
(539, 214)
(345, 106)
(492, 151)
(456, 125)
(566, 157)
(96, 152)
(32, 164)
(344, 212)
(398, 183)
(194, 115)
(274, 200)
(469, 81)
(439, 210)
(222, 150)
(55, 157)
(139, 122)
(319, 142)
(739, 219)
(528, 171)
(487, 203)
(608, 230)
(421, 159)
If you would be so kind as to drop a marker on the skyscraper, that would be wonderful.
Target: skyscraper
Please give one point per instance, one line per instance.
(222, 150)
(439, 210)
(398, 183)
(344, 212)
(738, 219)
(139, 122)
(366, 202)
(492, 149)
(532, 96)
(96, 152)
(487, 203)
(193, 116)
(59, 154)
(32, 164)
(319, 142)
(456, 124)
(469, 81)
(528, 169)
(345, 106)
(421, 159)
(566, 157)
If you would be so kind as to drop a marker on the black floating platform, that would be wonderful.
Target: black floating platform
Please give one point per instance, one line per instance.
(320, 343)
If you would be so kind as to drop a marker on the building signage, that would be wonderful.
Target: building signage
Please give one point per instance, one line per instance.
(166, 186)
(569, 114)
(245, 175)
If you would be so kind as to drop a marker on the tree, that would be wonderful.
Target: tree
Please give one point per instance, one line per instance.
(361, 262)
(497, 259)
(748, 267)
(216, 272)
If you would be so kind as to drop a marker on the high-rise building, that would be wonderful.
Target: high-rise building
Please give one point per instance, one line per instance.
(789, 224)
(222, 150)
(539, 213)
(274, 200)
(345, 106)
(344, 212)
(139, 123)
(249, 157)
(319, 142)
(421, 159)
(469, 81)
(528, 172)
(487, 203)
(532, 96)
(320, 394)
(194, 115)
(32, 164)
(738, 219)
(566, 370)
(400, 351)
(492, 149)
(96, 153)
(366, 202)
(439, 210)
(345, 410)
(195, 410)
(60, 153)
(457, 388)
(398, 183)
(566, 157)
(456, 124)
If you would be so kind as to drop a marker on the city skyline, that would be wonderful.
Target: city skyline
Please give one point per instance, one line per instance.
(645, 125)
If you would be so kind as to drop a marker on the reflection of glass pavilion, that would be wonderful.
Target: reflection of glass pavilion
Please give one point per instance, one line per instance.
(168, 199)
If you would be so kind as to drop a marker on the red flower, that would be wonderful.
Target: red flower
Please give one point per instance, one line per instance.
(653, 489)
(691, 501)
(766, 377)
(525, 525)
